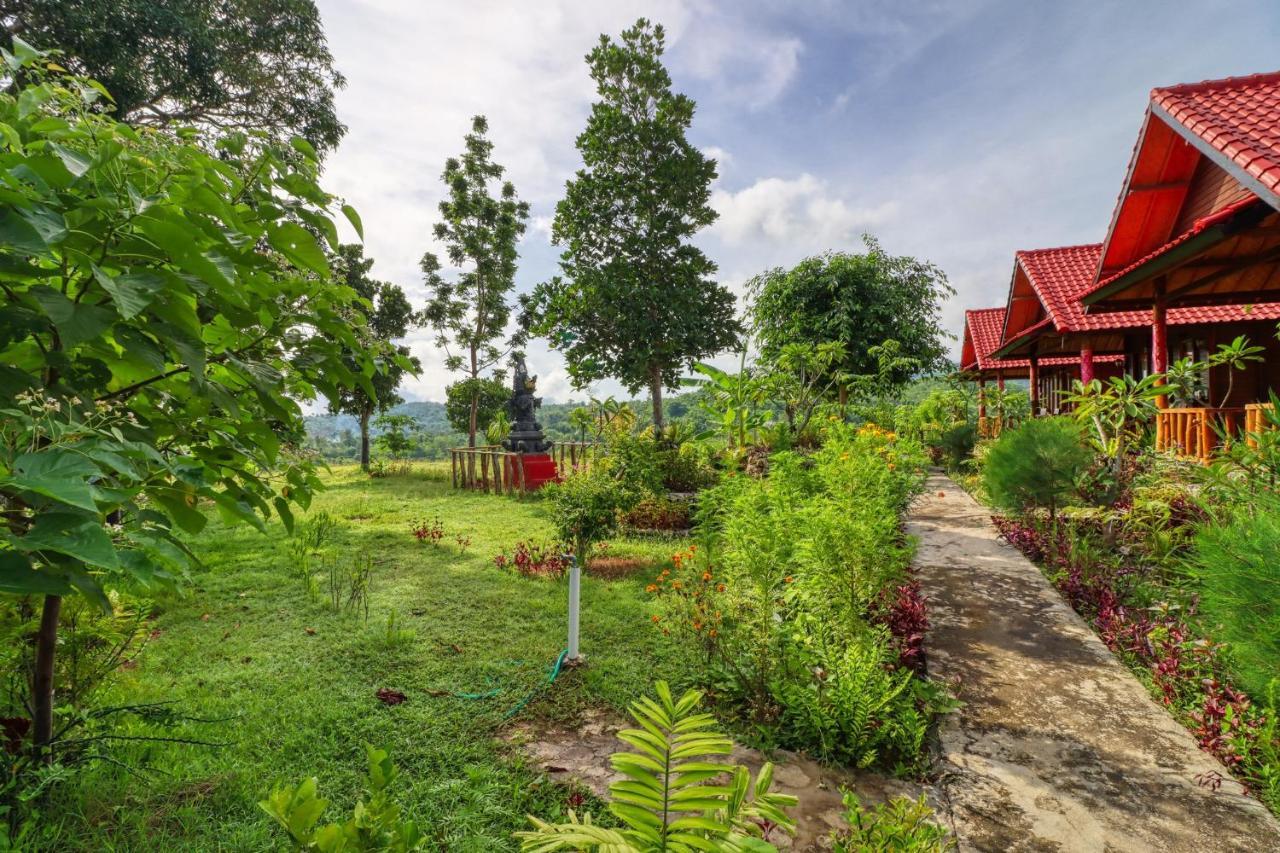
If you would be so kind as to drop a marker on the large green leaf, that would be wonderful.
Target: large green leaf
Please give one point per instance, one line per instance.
(75, 322)
(178, 243)
(18, 576)
(131, 292)
(30, 231)
(56, 473)
(72, 534)
(296, 243)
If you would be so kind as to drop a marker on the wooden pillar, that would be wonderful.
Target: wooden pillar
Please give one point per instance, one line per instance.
(1086, 365)
(1033, 377)
(1160, 340)
(1000, 381)
(982, 398)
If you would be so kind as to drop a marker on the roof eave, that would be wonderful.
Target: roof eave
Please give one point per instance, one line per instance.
(1217, 157)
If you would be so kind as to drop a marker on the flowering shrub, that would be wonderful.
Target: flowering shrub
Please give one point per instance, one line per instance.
(425, 531)
(799, 597)
(535, 559)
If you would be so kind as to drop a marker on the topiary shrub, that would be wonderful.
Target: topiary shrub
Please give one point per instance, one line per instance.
(1036, 466)
(1238, 572)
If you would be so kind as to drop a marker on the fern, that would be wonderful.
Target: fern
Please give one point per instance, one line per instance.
(673, 797)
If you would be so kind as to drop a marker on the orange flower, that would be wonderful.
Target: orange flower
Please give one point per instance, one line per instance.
(697, 626)
(653, 587)
(788, 579)
(677, 585)
(706, 576)
(720, 587)
(711, 633)
(655, 618)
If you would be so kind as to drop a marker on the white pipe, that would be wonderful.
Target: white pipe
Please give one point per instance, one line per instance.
(575, 583)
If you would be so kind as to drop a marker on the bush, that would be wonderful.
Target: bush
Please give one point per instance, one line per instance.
(586, 507)
(785, 598)
(902, 825)
(1036, 465)
(658, 513)
(1236, 566)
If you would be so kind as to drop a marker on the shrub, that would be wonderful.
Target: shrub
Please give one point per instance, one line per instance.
(671, 798)
(375, 824)
(902, 825)
(586, 506)
(1036, 465)
(658, 513)
(1235, 564)
(792, 593)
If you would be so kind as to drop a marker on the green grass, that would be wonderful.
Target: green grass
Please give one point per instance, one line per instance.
(235, 646)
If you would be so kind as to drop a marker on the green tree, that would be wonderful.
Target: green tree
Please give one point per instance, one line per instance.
(475, 401)
(260, 65)
(389, 316)
(163, 314)
(480, 232)
(396, 434)
(859, 300)
(635, 300)
(1038, 464)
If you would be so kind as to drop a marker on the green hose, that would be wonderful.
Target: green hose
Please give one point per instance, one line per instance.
(519, 706)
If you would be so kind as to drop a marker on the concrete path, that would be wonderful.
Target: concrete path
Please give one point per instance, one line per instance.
(1057, 747)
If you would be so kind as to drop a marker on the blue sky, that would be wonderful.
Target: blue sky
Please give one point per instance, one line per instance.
(954, 131)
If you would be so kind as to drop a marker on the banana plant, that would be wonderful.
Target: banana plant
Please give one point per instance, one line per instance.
(734, 399)
(672, 797)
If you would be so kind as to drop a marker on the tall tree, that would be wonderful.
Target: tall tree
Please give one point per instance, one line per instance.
(162, 315)
(480, 231)
(858, 300)
(225, 64)
(635, 299)
(388, 316)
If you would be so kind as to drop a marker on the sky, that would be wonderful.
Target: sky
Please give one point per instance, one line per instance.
(957, 131)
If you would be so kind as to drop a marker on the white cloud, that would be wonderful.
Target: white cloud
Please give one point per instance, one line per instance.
(797, 212)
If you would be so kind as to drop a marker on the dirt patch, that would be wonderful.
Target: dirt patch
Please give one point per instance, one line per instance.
(609, 568)
(580, 755)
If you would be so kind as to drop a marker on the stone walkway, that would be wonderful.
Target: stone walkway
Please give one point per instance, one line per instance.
(1057, 746)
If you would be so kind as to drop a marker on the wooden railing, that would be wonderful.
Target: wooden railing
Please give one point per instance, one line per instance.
(991, 427)
(1194, 433)
(492, 468)
(1255, 420)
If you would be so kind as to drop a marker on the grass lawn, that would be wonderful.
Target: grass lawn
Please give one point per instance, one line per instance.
(293, 683)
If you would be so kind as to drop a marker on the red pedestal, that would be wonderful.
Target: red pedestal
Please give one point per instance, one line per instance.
(539, 469)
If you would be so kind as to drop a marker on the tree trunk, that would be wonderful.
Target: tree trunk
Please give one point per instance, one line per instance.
(475, 414)
(364, 438)
(42, 682)
(655, 393)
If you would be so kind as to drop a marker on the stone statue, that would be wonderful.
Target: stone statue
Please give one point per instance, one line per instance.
(526, 432)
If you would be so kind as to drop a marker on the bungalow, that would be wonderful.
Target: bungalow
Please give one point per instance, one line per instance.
(1191, 260)
(1197, 228)
(983, 329)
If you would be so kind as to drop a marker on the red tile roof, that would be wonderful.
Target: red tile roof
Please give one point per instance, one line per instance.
(1238, 117)
(1061, 276)
(984, 328)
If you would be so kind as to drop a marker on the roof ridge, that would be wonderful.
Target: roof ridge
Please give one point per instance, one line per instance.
(1076, 247)
(1214, 85)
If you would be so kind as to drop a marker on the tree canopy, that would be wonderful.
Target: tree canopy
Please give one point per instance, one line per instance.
(859, 300)
(260, 65)
(165, 309)
(481, 232)
(388, 316)
(635, 300)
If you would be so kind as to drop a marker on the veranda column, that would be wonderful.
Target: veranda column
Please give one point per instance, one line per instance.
(982, 407)
(1086, 365)
(1160, 342)
(1033, 376)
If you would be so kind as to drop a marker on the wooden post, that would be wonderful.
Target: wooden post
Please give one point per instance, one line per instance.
(484, 472)
(453, 464)
(982, 398)
(1160, 340)
(1086, 365)
(1033, 376)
